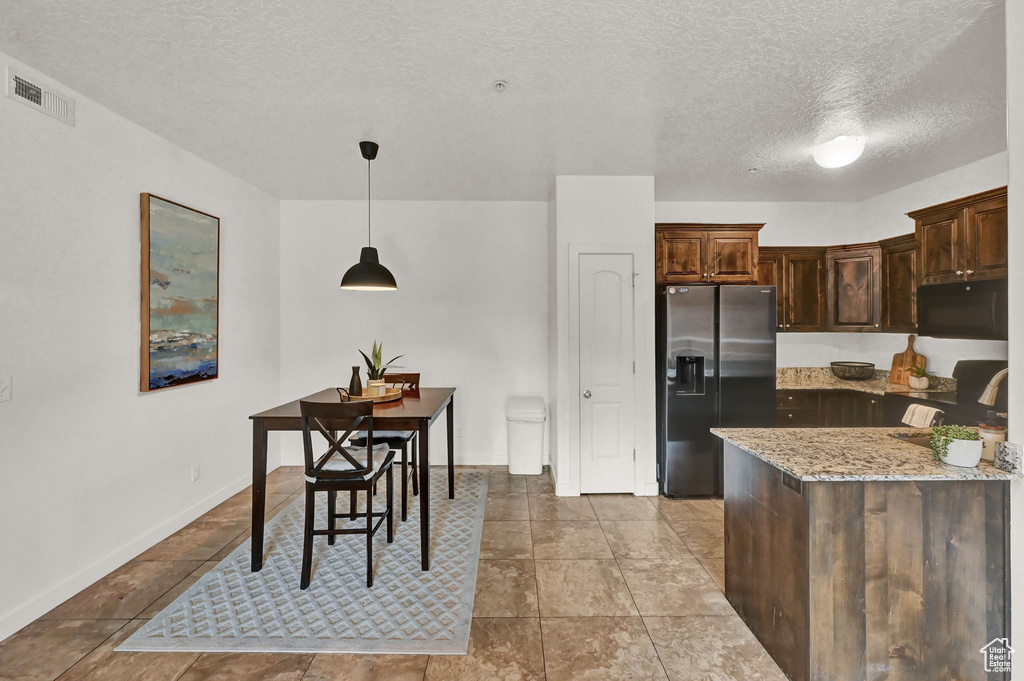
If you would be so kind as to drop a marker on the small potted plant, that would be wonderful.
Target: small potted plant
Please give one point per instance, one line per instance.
(956, 445)
(918, 378)
(375, 369)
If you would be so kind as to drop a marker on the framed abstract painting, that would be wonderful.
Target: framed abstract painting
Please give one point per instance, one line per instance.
(180, 289)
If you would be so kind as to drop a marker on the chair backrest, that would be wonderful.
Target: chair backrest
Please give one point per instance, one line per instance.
(410, 382)
(328, 417)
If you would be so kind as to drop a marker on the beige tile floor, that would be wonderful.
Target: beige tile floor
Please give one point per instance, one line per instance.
(598, 587)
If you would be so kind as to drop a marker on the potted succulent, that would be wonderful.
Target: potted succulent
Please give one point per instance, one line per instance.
(375, 369)
(956, 445)
(918, 378)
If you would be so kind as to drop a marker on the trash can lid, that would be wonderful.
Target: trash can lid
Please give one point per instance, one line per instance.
(526, 409)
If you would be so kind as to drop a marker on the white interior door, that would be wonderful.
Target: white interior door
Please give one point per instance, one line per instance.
(606, 390)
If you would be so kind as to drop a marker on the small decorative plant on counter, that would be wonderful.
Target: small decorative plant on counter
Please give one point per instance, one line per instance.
(375, 368)
(919, 378)
(956, 445)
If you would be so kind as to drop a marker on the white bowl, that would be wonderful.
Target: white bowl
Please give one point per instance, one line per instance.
(964, 453)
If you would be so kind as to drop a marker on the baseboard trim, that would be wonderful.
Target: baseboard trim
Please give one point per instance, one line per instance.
(565, 490)
(21, 615)
(648, 489)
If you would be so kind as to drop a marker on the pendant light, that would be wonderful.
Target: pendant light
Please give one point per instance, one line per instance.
(368, 274)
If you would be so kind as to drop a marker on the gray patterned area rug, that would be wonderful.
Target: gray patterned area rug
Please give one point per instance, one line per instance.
(231, 609)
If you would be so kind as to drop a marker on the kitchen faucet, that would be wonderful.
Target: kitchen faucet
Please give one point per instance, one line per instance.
(989, 396)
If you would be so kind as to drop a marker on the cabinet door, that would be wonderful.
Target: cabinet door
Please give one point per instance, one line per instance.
(835, 409)
(899, 284)
(732, 256)
(680, 257)
(770, 272)
(986, 239)
(804, 284)
(854, 289)
(941, 240)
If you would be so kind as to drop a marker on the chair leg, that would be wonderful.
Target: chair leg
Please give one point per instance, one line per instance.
(369, 539)
(415, 465)
(307, 539)
(332, 498)
(352, 504)
(391, 504)
(405, 480)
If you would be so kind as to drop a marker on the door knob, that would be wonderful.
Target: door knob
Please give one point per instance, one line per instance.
(586, 394)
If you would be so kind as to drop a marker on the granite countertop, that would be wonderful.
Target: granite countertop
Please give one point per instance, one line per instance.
(850, 454)
(821, 378)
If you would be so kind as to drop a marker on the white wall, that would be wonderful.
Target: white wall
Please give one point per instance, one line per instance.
(1015, 146)
(616, 211)
(91, 471)
(471, 310)
(828, 224)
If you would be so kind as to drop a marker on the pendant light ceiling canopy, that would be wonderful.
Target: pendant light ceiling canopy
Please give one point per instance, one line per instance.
(368, 274)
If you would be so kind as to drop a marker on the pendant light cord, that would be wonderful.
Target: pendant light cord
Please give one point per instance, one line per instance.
(368, 240)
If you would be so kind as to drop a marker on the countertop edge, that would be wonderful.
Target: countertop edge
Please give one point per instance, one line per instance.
(1005, 476)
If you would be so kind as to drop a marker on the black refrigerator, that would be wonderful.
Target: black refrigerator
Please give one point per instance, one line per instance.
(716, 367)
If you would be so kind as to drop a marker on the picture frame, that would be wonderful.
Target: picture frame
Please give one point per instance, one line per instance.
(180, 284)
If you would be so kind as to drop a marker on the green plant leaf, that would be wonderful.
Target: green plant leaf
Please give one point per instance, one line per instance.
(943, 435)
(393, 360)
(370, 370)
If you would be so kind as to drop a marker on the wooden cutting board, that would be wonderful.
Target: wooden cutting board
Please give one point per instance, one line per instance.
(903, 362)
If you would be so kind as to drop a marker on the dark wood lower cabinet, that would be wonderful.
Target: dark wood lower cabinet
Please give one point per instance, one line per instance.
(828, 409)
(894, 579)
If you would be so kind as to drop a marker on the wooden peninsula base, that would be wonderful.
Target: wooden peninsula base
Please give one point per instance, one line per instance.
(844, 580)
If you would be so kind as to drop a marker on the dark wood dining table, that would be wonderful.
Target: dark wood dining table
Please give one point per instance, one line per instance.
(414, 411)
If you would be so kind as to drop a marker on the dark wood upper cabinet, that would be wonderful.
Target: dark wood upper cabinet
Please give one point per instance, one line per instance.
(985, 225)
(770, 267)
(799, 276)
(963, 240)
(680, 257)
(854, 288)
(689, 253)
(805, 290)
(732, 256)
(899, 284)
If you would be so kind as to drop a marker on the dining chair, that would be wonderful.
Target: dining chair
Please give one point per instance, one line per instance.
(403, 440)
(341, 469)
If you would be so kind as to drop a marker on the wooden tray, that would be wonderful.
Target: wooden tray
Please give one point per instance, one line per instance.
(390, 395)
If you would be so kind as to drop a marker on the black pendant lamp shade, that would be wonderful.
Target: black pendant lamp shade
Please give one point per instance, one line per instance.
(368, 274)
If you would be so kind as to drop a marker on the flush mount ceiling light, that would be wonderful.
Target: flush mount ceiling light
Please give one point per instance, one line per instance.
(842, 151)
(368, 274)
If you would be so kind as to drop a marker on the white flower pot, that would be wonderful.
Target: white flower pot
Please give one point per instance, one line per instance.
(965, 453)
(919, 382)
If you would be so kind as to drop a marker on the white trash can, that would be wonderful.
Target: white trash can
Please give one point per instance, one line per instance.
(526, 417)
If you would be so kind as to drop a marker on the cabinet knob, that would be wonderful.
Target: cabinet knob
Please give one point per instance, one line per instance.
(970, 271)
(790, 397)
(876, 326)
(790, 416)
(959, 271)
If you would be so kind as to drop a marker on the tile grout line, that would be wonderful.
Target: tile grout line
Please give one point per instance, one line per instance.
(93, 649)
(639, 614)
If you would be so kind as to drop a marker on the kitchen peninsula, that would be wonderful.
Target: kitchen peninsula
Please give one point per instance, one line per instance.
(855, 555)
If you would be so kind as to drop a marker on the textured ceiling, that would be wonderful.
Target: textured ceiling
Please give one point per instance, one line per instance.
(695, 92)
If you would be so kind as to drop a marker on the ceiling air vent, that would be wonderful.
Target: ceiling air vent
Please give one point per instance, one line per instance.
(28, 90)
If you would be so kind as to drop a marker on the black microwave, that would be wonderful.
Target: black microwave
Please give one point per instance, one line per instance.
(975, 309)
